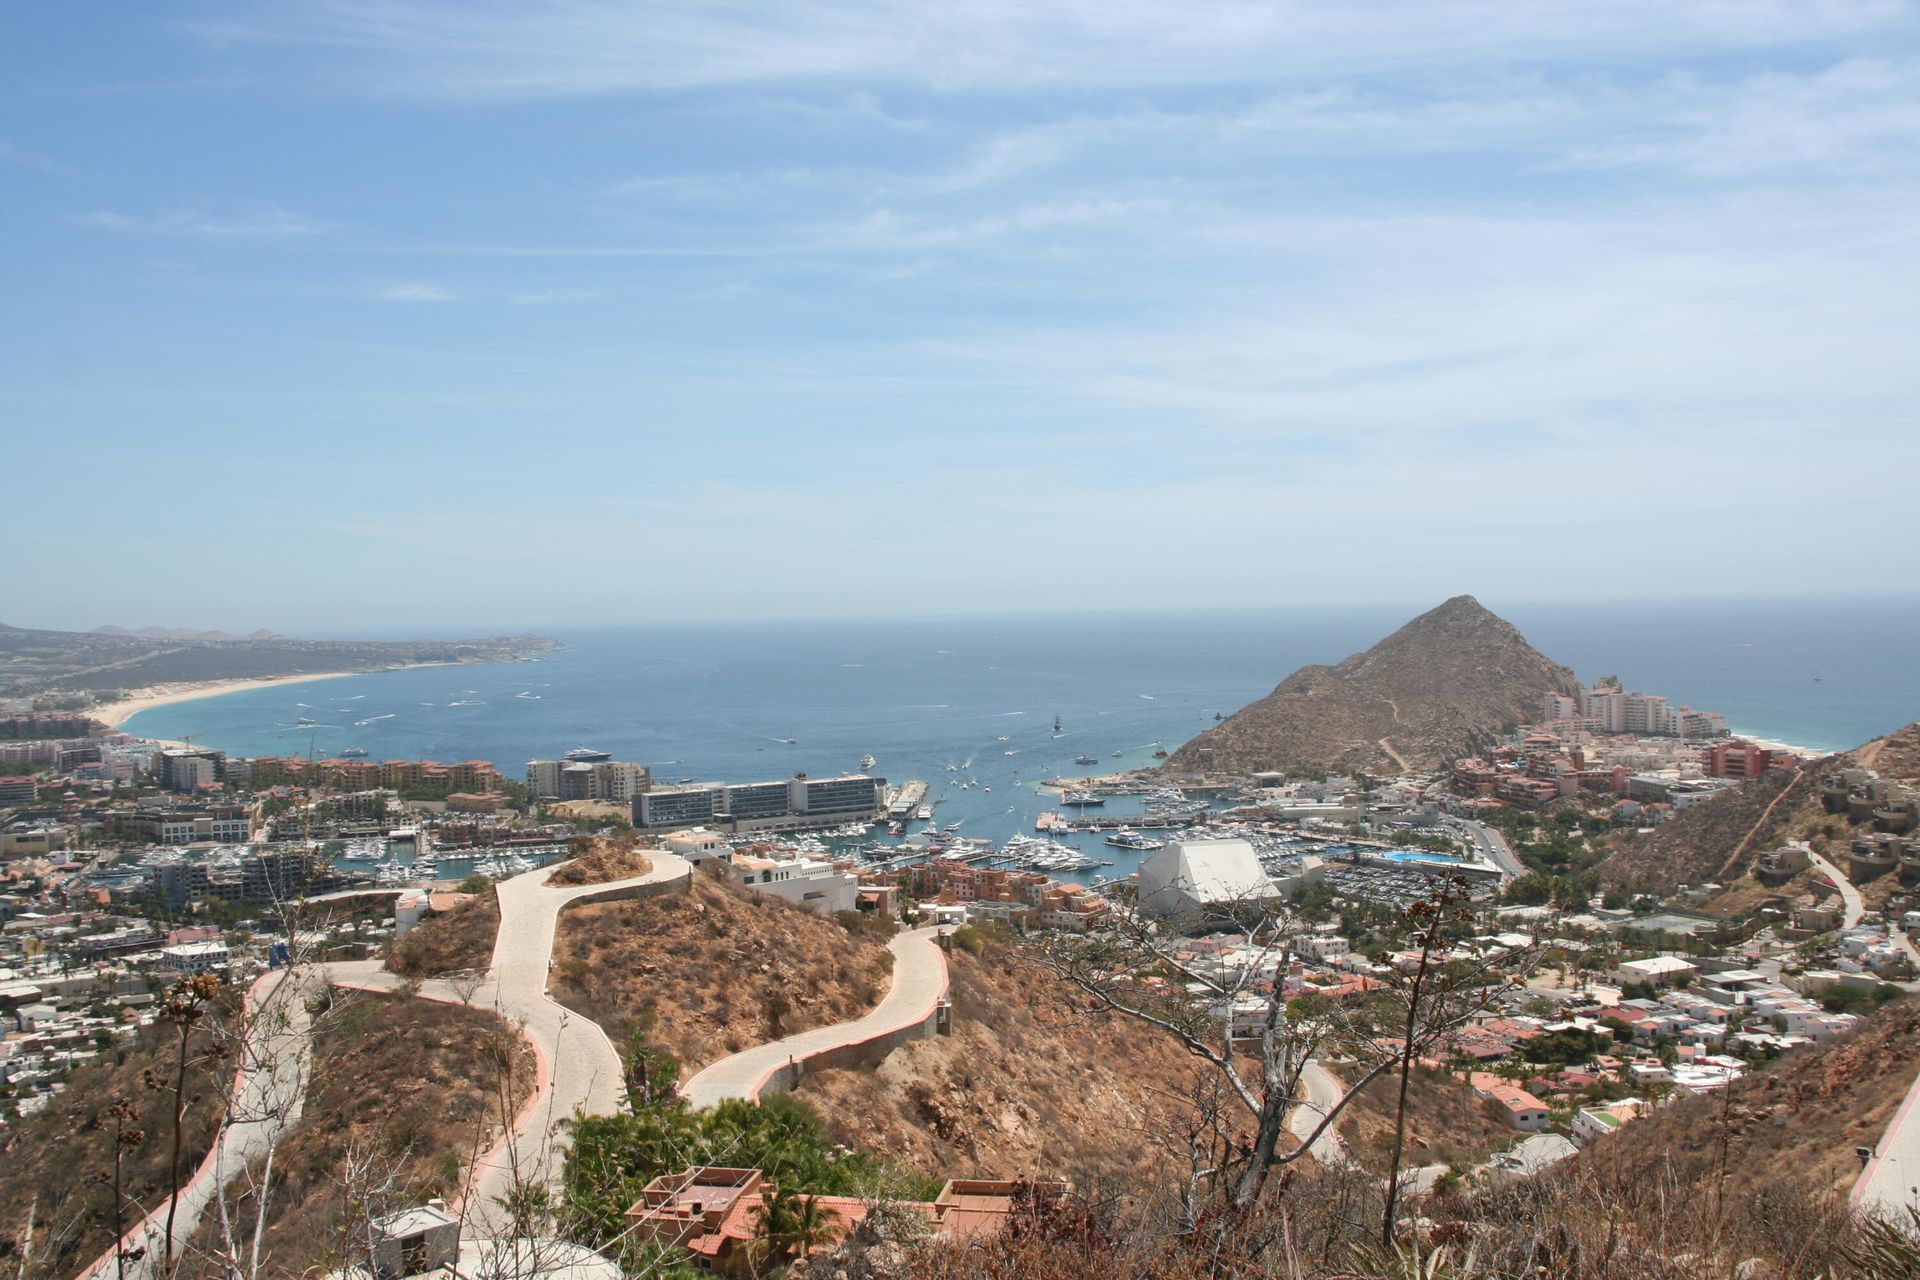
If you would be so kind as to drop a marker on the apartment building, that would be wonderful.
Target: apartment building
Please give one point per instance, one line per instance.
(614, 781)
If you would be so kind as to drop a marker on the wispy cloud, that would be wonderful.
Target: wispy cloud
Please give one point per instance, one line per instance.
(416, 292)
(255, 221)
(549, 297)
(580, 48)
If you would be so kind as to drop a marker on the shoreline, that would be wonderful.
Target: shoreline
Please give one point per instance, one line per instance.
(116, 714)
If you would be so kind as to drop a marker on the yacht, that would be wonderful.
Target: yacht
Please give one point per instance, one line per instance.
(1125, 839)
(1086, 760)
(866, 762)
(1082, 799)
(587, 755)
(306, 722)
(352, 753)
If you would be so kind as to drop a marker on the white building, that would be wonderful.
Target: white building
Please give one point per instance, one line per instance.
(818, 886)
(1655, 971)
(1192, 878)
(698, 845)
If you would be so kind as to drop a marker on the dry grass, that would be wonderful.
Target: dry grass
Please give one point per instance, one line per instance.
(712, 971)
(1026, 1084)
(58, 1164)
(1447, 1122)
(404, 1094)
(1795, 1122)
(451, 942)
(602, 860)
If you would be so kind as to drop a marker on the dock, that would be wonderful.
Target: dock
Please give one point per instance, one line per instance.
(1132, 821)
(905, 798)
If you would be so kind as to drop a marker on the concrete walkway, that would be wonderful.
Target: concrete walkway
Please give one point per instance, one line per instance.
(577, 1066)
(1849, 896)
(919, 984)
(268, 1095)
(1890, 1184)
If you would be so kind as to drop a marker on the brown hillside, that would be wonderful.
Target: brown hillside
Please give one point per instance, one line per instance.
(54, 1162)
(1446, 684)
(404, 1094)
(600, 860)
(1447, 1122)
(1795, 1122)
(450, 942)
(1694, 847)
(713, 971)
(1024, 1085)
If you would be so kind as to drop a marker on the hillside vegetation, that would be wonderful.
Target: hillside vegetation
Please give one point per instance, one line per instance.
(1026, 1084)
(712, 971)
(1791, 1126)
(1447, 1123)
(56, 1191)
(1448, 683)
(405, 1094)
(450, 941)
(1694, 846)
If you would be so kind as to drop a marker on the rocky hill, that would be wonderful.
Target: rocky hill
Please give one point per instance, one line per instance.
(1025, 1086)
(1700, 844)
(1795, 1122)
(1448, 683)
(714, 970)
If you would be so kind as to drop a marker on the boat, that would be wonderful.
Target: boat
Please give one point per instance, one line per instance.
(1118, 754)
(1083, 799)
(790, 741)
(587, 755)
(1057, 726)
(866, 762)
(306, 722)
(353, 753)
(1125, 839)
(1086, 760)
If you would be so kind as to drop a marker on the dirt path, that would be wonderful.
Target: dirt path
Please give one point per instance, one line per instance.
(1740, 850)
(1386, 745)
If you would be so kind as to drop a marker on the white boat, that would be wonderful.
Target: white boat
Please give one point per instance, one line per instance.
(866, 762)
(1083, 799)
(1125, 839)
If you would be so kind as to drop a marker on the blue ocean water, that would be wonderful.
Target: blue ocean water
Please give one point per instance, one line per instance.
(719, 701)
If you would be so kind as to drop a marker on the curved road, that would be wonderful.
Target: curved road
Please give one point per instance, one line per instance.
(919, 984)
(1324, 1092)
(1849, 896)
(579, 1069)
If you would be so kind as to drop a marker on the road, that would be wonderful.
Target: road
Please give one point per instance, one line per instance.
(1849, 896)
(1493, 847)
(1890, 1183)
(1324, 1092)
(919, 983)
(579, 1070)
(269, 1092)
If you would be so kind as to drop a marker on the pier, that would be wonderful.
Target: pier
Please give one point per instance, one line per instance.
(905, 798)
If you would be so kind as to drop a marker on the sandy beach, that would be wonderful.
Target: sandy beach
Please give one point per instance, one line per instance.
(114, 714)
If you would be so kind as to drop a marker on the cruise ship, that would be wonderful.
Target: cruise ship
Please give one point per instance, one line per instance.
(587, 755)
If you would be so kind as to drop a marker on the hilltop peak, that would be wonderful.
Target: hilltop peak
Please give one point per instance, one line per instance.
(1447, 683)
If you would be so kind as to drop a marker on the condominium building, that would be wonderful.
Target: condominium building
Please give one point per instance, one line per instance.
(188, 768)
(797, 802)
(1607, 708)
(614, 781)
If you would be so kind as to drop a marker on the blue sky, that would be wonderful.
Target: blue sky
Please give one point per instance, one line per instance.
(405, 314)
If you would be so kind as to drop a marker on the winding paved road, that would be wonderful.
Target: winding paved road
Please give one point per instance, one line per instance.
(1324, 1092)
(1849, 896)
(919, 984)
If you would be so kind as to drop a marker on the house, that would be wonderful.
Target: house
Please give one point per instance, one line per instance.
(1190, 880)
(820, 887)
(1528, 1157)
(1523, 1111)
(1655, 971)
(715, 1214)
(1597, 1121)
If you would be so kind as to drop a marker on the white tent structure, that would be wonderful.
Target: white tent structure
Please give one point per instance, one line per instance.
(1190, 878)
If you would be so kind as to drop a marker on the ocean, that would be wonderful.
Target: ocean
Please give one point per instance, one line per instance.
(956, 700)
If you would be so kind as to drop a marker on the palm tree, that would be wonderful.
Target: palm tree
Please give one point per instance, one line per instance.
(792, 1225)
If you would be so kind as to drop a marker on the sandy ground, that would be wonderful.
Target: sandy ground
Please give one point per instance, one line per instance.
(115, 714)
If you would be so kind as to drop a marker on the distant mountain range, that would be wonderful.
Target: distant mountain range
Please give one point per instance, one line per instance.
(181, 633)
(115, 658)
(1449, 683)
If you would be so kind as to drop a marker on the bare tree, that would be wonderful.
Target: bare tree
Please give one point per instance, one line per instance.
(1226, 1003)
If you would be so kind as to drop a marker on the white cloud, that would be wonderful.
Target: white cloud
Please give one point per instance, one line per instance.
(249, 221)
(572, 48)
(548, 297)
(416, 292)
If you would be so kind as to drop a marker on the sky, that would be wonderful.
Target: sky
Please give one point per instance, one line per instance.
(388, 313)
